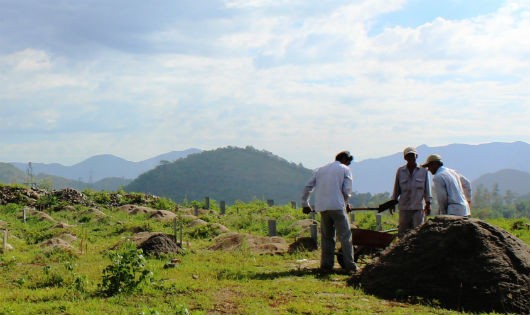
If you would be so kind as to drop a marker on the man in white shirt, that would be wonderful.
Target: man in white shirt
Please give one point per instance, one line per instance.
(449, 186)
(412, 188)
(332, 187)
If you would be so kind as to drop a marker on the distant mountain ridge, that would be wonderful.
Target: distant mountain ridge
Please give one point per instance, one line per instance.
(103, 166)
(371, 175)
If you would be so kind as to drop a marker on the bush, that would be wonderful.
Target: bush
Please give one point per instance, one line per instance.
(163, 203)
(126, 272)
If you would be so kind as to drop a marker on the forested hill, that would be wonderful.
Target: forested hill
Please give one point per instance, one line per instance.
(227, 174)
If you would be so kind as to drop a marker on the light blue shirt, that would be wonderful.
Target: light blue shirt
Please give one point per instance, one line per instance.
(450, 193)
(332, 186)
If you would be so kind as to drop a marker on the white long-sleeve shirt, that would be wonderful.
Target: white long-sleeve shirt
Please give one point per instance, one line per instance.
(412, 189)
(466, 184)
(332, 186)
(450, 193)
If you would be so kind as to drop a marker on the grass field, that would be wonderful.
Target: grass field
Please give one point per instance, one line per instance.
(40, 280)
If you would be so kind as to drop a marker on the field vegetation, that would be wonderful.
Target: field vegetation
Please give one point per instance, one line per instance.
(99, 271)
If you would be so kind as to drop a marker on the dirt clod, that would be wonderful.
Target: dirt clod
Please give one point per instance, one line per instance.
(464, 264)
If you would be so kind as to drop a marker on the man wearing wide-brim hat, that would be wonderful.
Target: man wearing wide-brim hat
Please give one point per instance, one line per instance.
(412, 190)
(453, 191)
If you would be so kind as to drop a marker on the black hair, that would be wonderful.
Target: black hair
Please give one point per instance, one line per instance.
(344, 155)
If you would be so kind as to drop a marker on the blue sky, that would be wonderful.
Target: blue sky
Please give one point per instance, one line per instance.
(302, 79)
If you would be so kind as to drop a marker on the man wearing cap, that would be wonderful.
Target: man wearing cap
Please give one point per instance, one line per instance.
(332, 187)
(453, 191)
(412, 188)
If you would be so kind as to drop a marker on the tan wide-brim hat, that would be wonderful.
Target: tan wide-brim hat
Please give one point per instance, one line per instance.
(409, 150)
(432, 158)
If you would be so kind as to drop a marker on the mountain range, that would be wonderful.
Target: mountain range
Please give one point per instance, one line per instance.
(103, 166)
(506, 164)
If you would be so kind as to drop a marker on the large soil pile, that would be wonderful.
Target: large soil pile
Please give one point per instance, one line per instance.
(154, 243)
(159, 244)
(465, 264)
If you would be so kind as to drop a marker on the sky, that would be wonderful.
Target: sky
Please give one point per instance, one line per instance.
(301, 79)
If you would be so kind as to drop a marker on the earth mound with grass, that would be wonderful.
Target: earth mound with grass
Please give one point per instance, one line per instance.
(274, 245)
(463, 264)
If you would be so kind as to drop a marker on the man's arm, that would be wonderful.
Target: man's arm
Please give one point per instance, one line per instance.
(427, 194)
(397, 189)
(308, 189)
(466, 186)
(347, 185)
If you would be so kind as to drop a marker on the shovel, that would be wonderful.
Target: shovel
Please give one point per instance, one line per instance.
(382, 207)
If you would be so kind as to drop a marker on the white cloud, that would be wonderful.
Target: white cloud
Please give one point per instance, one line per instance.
(28, 60)
(302, 80)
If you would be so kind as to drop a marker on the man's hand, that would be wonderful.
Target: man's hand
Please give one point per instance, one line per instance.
(307, 210)
(348, 208)
(427, 209)
(392, 209)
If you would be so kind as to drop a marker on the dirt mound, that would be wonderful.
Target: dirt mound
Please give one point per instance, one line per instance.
(58, 243)
(62, 225)
(67, 237)
(96, 212)
(303, 244)
(197, 222)
(140, 237)
(20, 195)
(163, 215)
(219, 228)
(257, 244)
(72, 196)
(304, 224)
(42, 216)
(159, 244)
(135, 209)
(153, 243)
(465, 264)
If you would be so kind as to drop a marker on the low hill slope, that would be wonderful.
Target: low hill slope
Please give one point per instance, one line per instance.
(228, 174)
(514, 180)
(10, 174)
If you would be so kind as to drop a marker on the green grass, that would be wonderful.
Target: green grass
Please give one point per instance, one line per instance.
(38, 281)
